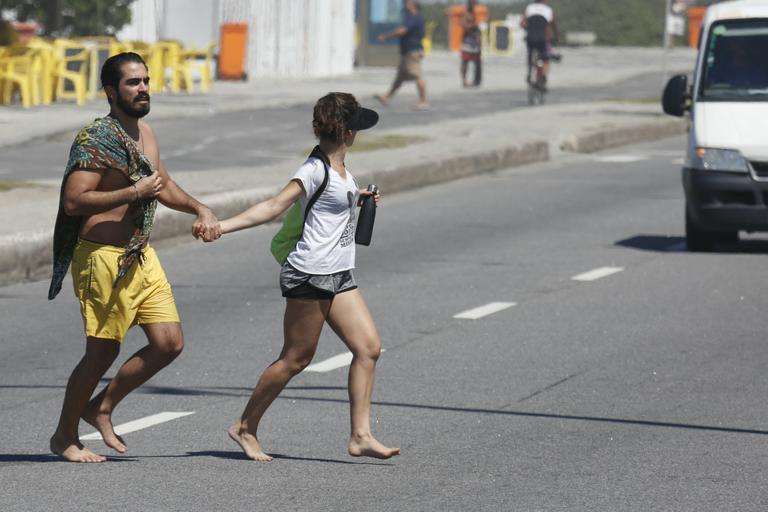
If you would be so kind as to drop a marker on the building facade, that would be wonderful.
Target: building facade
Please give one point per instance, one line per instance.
(286, 38)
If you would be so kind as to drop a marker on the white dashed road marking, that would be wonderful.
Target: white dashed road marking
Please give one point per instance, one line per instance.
(488, 309)
(620, 159)
(141, 423)
(332, 363)
(597, 273)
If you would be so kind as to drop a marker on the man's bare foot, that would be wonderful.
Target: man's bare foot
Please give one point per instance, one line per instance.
(103, 423)
(73, 452)
(382, 99)
(368, 446)
(421, 106)
(248, 442)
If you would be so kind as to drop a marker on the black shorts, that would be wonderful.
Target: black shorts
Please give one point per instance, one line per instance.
(296, 284)
(542, 48)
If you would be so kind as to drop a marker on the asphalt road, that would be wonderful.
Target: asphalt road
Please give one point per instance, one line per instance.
(640, 390)
(238, 139)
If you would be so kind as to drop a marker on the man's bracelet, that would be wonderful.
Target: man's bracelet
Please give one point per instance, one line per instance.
(137, 191)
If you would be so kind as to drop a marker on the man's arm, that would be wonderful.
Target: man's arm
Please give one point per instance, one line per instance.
(555, 36)
(398, 32)
(81, 197)
(174, 197)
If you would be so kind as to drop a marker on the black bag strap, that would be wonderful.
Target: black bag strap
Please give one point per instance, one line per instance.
(320, 155)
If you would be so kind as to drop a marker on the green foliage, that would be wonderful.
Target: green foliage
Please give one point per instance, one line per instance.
(7, 34)
(73, 17)
(616, 22)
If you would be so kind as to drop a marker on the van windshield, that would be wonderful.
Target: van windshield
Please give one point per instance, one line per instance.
(735, 65)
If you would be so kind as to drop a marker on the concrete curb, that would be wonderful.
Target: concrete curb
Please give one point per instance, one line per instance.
(28, 256)
(600, 139)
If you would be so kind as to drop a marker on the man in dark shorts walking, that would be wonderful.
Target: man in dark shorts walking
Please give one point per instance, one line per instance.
(411, 32)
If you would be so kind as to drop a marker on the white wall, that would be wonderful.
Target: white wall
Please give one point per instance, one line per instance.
(286, 38)
(144, 25)
(301, 38)
(193, 22)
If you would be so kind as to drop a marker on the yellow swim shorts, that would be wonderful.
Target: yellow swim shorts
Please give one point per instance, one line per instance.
(142, 296)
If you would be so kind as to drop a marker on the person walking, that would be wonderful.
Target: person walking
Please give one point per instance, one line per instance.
(316, 278)
(411, 33)
(112, 183)
(471, 45)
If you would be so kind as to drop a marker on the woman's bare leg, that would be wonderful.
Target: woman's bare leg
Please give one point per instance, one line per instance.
(350, 319)
(302, 324)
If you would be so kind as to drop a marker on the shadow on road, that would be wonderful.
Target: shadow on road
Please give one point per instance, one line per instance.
(663, 243)
(31, 457)
(237, 455)
(601, 419)
(656, 243)
(27, 457)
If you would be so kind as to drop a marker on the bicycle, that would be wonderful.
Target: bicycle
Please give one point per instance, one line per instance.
(537, 85)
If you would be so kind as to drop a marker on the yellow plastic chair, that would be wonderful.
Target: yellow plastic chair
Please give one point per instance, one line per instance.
(17, 73)
(3, 50)
(72, 65)
(173, 61)
(101, 48)
(139, 47)
(200, 61)
(156, 67)
(429, 31)
(44, 69)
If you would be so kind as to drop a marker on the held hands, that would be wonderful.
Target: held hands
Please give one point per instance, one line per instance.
(365, 193)
(206, 226)
(149, 186)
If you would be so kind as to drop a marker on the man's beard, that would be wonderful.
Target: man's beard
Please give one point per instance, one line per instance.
(132, 109)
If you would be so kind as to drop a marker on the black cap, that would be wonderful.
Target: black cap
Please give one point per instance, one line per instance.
(362, 119)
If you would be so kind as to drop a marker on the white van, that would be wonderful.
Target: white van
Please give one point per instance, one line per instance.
(725, 174)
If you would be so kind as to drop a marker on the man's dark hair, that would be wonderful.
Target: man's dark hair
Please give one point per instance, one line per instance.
(111, 72)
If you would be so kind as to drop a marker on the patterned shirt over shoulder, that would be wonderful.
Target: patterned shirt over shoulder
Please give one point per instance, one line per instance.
(103, 144)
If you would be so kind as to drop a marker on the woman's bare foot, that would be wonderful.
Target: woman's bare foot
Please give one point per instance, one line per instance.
(248, 442)
(383, 99)
(368, 446)
(103, 423)
(73, 452)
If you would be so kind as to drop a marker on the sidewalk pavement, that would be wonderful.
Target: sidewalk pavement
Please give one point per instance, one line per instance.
(455, 148)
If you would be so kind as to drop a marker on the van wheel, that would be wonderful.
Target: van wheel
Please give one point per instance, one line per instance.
(703, 240)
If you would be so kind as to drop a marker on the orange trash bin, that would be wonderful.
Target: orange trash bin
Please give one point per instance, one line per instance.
(234, 41)
(695, 17)
(455, 32)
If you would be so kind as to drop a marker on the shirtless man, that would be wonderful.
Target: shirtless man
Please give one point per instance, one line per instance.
(110, 189)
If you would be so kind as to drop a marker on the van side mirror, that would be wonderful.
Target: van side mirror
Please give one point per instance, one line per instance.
(674, 101)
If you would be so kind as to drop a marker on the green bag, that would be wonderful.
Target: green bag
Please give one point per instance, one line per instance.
(285, 240)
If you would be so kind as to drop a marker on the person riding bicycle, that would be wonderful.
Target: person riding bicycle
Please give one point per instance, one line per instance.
(541, 31)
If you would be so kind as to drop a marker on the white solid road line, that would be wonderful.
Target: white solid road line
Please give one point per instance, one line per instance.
(332, 363)
(139, 424)
(488, 309)
(597, 273)
(620, 159)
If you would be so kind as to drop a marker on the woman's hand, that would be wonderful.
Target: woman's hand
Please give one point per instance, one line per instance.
(365, 193)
